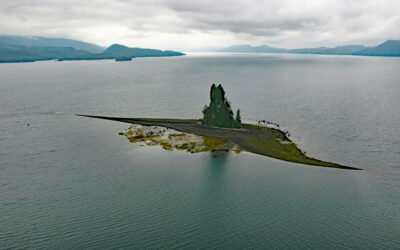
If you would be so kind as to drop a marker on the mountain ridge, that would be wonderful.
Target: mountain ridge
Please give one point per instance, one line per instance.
(338, 50)
(245, 48)
(30, 49)
(38, 41)
(387, 48)
(122, 50)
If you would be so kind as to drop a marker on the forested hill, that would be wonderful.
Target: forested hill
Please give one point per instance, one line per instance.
(29, 49)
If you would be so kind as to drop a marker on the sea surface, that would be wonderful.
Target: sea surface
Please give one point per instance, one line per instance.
(69, 182)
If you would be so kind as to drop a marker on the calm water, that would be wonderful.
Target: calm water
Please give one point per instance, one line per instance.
(72, 182)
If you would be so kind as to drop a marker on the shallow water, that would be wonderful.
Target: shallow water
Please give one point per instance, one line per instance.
(73, 182)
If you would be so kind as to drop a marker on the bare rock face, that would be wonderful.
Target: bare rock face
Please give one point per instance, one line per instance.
(219, 112)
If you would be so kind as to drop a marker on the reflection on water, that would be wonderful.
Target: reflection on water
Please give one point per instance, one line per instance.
(72, 182)
(217, 165)
(214, 183)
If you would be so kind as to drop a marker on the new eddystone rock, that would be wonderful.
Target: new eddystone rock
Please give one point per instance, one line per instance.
(219, 112)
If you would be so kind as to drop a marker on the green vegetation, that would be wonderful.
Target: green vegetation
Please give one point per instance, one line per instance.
(238, 117)
(37, 41)
(170, 139)
(123, 59)
(24, 49)
(23, 54)
(219, 112)
(252, 138)
(117, 50)
(218, 130)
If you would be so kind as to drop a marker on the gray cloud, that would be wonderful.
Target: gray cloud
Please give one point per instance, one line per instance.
(183, 24)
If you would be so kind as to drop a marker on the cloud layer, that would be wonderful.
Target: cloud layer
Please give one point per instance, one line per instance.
(185, 24)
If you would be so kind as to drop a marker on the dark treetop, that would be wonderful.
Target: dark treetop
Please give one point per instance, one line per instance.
(222, 129)
(219, 112)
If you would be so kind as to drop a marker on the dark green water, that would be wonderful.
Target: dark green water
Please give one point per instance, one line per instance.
(72, 182)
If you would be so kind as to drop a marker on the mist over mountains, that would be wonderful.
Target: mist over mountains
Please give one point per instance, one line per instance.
(388, 48)
(251, 49)
(29, 49)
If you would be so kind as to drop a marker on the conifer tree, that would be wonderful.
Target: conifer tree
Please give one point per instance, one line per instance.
(238, 117)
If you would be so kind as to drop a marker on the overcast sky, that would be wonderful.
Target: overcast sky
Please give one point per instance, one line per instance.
(187, 24)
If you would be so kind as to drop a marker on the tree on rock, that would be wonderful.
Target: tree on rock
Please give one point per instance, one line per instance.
(238, 117)
(219, 112)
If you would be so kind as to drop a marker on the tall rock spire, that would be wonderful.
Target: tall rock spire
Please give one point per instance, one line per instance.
(219, 112)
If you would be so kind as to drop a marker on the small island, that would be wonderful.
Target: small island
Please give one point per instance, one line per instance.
(218, 130)
(123, 59)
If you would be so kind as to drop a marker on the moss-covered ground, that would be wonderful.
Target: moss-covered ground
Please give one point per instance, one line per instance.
(252, 138)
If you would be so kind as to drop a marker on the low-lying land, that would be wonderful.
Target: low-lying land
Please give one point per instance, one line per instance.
(252, 138)
(170, 139)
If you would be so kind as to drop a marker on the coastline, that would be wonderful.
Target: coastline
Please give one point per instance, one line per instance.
(31, 60)
(270, 142)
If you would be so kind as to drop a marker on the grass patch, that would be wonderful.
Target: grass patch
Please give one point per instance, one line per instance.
(252, 138)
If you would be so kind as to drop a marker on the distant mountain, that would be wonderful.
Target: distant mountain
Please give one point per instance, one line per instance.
(28, 49)
(28, 54)
(388, 48)
(252, 49)
(339, 50)
(117, 50)
(36, 41)
(309, 50)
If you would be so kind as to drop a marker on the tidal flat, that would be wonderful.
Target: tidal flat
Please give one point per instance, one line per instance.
(171, 139)
(256, 139)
